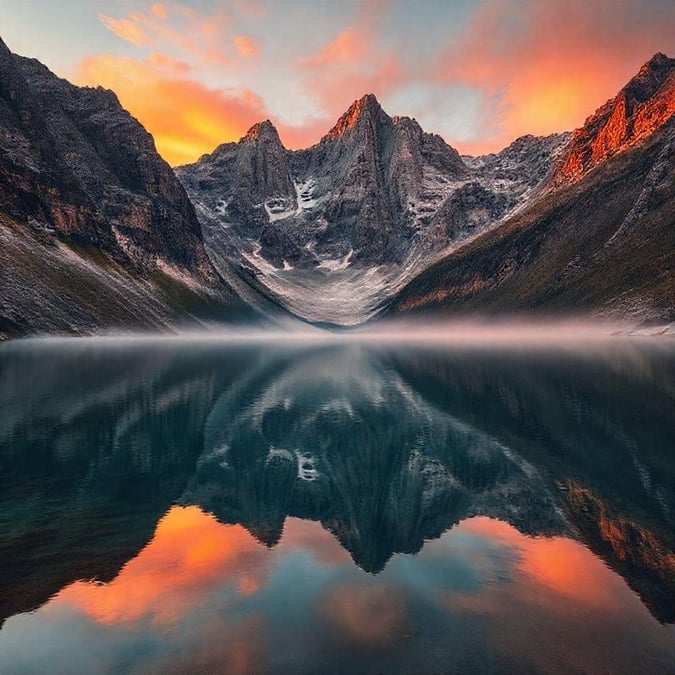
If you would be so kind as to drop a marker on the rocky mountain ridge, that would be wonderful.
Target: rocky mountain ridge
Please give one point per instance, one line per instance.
(87, 204)
(642, 107)
(599, 240)
(97, 232)
(332, 231)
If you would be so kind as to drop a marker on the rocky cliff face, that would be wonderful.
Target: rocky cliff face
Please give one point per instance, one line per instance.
(642, 107)
(75, 161)
(332, 230)
(76, 170)
(369, 172)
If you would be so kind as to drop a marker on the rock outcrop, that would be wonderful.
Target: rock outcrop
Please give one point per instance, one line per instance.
(642, 107)
(598, 239)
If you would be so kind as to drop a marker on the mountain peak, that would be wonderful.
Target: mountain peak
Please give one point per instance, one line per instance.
(642, 107)
(367, 107)
(368, 100)
(653, 73)
(659, 60)
(264, 130)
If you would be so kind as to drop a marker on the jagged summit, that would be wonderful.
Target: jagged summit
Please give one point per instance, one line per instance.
(658, 61)
(654, 74)
(405, 121)
(334, 230)
(367, 104)
(644, 105)
(365, 108)
(261, 131)
(330, 229)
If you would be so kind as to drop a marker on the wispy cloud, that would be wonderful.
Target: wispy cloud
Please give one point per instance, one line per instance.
(128, 29)
(544, 67)
(512, 66)
(178, 28)
(246, 46)
(354, 62)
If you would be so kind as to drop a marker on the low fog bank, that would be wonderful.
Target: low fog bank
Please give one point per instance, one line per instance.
(469, 333)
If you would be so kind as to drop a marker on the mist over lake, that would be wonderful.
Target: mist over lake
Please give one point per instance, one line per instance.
(337, 338)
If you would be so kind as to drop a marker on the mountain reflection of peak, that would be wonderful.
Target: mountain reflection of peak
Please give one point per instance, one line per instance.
(337, 436)
(386, 447)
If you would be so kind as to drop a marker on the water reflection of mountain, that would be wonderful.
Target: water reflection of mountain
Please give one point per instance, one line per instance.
(385, 449)
(96, 442)
(598, 426)
(337, 436)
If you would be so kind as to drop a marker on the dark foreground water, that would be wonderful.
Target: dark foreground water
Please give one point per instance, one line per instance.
(187, 507)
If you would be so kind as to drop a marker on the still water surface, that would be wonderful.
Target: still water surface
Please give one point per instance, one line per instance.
(186, 507)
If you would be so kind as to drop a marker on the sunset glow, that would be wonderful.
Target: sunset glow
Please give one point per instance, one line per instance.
(479, 73)
(189, 554)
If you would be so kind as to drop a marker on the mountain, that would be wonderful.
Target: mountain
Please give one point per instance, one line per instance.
(597, 447)
(599, 238)
(363, 454)
(96, 230)
(98, 233)
(332, 231)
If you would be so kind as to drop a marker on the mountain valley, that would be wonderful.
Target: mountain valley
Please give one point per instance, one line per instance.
(332, 232)
(379, 218)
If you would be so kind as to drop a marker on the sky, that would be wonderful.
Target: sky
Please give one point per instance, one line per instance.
(480, 73)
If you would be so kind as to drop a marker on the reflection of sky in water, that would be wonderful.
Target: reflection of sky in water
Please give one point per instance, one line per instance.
(207, 595)
(290, 466)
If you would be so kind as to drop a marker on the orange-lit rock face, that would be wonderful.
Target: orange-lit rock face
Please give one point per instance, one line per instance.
(642, 107)
(625, 544)
(365, 105)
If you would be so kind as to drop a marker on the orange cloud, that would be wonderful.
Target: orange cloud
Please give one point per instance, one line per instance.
(127, 29)
(159, 11)
(198, 35)
(348, 46)
(560, 566)
(189, 551)
(246, 45)
(549, 65)
(186, 118)
(191, 554)
(310, 536)
(170, 64)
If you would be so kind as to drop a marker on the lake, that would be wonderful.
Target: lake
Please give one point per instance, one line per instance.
(283, 506)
